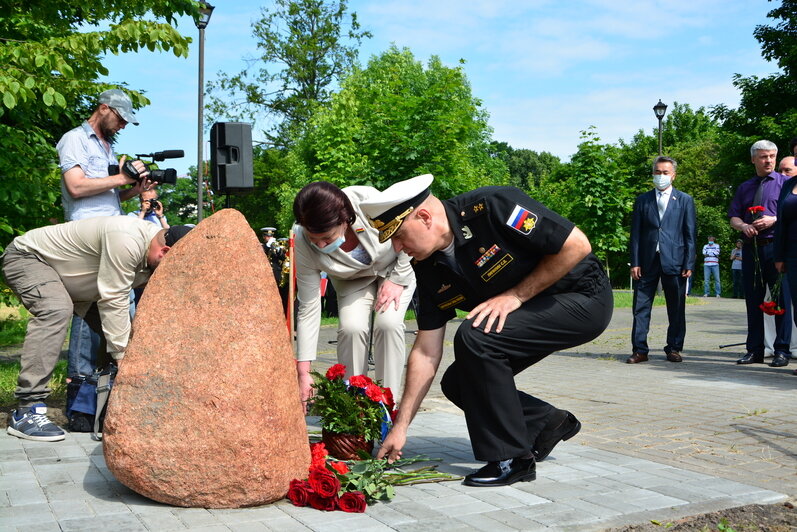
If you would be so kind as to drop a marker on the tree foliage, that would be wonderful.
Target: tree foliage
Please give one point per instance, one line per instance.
(49, 67)
(526, 167)
(305, 49)
(396, 119)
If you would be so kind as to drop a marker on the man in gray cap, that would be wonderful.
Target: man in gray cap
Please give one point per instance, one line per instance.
(87, 190)
(87, 267)
(531, 287)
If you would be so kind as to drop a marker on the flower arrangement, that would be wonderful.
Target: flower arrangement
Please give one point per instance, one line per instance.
(350, 486)
(358, 406)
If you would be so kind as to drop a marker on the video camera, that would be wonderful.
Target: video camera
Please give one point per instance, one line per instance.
(168, 175)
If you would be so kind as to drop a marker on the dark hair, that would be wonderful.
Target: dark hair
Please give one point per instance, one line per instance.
(322, 206)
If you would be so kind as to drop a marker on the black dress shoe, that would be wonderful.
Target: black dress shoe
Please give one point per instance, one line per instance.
(779, 361)
(503, 473)
(559, 425)
(751, 358)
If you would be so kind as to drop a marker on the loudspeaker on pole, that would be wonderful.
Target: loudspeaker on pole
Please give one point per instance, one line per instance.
(231, 168)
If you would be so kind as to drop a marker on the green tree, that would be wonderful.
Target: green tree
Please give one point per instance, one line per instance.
(50, 60)
(396, 119)
(592, 191)
(526, 167)
(305, 49)
(766, 109)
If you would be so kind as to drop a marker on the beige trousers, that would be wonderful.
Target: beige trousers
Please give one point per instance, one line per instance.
(356, 310)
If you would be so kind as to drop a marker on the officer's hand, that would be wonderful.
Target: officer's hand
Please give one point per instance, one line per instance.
(636, 273)
(392, 445)
(495, 308)
(389, 292)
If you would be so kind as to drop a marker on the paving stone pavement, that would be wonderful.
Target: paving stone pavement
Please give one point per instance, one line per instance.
(659, 441)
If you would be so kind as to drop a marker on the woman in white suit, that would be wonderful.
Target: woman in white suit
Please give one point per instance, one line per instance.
(334, 236)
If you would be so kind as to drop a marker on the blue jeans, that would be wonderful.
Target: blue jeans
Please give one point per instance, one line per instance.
(708, 271)
(83, 345)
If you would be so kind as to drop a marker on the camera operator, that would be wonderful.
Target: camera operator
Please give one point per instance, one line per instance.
(87, 190)
(151, 209)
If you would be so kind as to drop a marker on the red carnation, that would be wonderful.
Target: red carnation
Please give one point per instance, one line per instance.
(352, 502)
(390, 402)
(327, 504)
(340, 467)
(360, 381)
(756, 208)
(299, 492)
(374, 393)
(323, 482)
(336, 372)
(778, 311)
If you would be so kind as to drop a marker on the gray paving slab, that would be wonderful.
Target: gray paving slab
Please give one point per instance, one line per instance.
(660, 441)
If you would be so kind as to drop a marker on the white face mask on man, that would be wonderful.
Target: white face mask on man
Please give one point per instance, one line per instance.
(662, 181)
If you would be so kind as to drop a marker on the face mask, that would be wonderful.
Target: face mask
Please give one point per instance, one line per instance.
(661, 181)
(332, 246)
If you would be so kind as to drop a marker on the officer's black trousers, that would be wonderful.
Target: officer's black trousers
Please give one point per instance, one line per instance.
(504, 422)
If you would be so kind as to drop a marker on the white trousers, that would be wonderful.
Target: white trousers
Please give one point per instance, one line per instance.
(355, 311)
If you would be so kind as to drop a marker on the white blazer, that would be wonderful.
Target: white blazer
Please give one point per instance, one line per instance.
(348, 275)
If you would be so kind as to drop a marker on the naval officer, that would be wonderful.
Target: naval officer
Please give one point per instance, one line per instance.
(531, 286)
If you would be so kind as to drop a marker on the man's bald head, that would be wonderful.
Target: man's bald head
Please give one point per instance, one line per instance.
(786, 167)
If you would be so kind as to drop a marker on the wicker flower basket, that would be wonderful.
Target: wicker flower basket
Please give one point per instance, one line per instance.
(345, 446)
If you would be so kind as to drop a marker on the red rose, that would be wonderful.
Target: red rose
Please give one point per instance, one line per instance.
(393, 415)
(327, 504)
(352, 502)
(778, 311)
(318, 454)
(324, 482)
(360, 381)
(299, 492)
(340, 467)
(336, 372)
(374, 393)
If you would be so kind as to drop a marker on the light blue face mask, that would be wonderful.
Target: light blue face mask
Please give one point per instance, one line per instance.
(332, 246)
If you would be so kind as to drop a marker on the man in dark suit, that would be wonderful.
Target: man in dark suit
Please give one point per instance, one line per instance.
(662, 248)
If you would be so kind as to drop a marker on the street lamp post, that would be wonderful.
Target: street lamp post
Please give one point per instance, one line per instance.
(205, 10)
(660, 108)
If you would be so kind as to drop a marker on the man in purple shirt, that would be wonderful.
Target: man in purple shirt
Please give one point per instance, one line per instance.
(757, 230)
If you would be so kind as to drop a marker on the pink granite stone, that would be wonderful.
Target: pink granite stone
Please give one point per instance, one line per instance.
(205, 411)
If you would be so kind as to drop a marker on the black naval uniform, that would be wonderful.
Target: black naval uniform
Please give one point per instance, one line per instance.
(500, 234)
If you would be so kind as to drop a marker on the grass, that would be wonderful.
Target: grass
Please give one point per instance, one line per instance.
(9, 371)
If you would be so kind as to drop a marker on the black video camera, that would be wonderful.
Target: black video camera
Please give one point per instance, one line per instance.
(168, 175)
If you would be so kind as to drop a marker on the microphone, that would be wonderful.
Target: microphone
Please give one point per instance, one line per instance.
(161, 155)
(167, 154)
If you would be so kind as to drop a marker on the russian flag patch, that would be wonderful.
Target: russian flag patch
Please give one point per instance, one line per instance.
(522, 220)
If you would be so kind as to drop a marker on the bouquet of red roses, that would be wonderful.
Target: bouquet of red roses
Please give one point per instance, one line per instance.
(350, 486)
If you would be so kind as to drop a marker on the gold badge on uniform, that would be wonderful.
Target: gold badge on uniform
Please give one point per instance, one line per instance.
(502, 263)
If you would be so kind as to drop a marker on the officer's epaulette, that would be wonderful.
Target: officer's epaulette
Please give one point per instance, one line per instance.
(472, 210)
